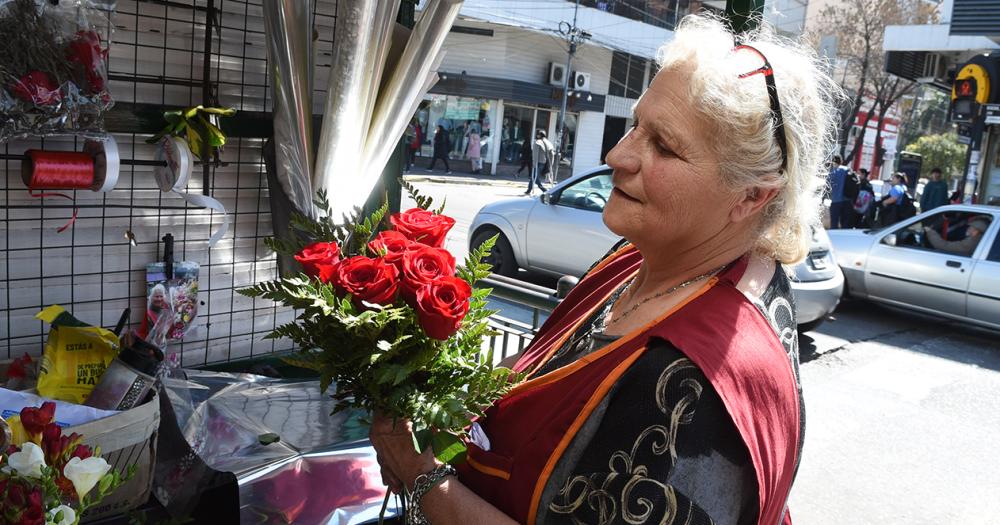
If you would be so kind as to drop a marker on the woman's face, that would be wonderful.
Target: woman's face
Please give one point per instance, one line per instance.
(158, 299)
(667, 187)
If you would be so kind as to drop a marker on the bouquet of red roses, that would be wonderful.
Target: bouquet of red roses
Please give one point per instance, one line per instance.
(47, 477)
(390, 321)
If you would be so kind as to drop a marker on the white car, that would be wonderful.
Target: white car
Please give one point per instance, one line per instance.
(897, 265)
(562, 232)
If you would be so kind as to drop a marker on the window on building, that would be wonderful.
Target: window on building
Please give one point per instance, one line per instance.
(660, 13)
(627, 75)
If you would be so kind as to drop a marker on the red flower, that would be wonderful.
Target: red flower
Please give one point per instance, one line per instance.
(367, 279)
(38, 88)
(441, 306)
(86, 50)
(392, 243)
(18, 367)
(35, 419)
(424, 265)
(422, 226)
(34, 514)
(319, 259)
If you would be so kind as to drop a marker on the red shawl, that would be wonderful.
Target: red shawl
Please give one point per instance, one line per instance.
(717, 328)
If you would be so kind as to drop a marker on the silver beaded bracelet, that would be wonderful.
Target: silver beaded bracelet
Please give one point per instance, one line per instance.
(423, 484)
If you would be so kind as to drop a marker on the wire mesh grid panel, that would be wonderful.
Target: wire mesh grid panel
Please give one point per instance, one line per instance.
(97, 267)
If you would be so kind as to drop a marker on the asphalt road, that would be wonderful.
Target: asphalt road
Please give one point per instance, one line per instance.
(902, 410)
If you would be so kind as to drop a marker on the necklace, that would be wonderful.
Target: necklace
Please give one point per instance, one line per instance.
(685, 284)
(583, 342)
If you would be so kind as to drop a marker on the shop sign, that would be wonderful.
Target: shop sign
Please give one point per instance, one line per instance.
(462, 109)
(992, 113)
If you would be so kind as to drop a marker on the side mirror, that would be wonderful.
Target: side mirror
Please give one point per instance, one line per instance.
(549, 198)
(890, 239)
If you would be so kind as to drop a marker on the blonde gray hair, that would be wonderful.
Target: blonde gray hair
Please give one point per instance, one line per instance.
(744, 139)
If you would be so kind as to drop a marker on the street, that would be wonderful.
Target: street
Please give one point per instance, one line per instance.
(901, 409)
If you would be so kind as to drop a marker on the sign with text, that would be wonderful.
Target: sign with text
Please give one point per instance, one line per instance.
(992, 114)
(462, 109)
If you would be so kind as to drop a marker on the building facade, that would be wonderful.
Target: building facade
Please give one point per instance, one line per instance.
(501, 76)
(933, 54)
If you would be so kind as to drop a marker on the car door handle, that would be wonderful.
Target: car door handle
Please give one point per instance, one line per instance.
(954, 264)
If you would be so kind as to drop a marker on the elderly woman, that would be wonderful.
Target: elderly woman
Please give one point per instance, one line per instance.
(664, 389)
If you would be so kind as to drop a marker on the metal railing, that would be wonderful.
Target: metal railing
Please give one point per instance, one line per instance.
(512, 335)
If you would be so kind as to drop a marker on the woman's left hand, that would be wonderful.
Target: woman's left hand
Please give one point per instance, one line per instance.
(392, 439)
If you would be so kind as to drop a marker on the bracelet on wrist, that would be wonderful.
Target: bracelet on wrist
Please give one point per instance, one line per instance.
(421, 486)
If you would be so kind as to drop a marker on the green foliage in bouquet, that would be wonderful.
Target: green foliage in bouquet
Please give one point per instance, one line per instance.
(389, 321)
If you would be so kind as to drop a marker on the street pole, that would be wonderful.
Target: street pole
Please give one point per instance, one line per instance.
(573, 33)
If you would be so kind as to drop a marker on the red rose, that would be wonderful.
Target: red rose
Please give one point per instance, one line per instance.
(392, 243)
(367, 279)
(441, 306)
(35, 419)
(38, 88)
(424, 265)
(85, 49)
(319, 259)
(422, 226)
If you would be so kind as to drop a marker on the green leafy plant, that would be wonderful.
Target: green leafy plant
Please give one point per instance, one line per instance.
(198, 127)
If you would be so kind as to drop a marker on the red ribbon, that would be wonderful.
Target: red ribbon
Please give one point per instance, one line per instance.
(58, 170)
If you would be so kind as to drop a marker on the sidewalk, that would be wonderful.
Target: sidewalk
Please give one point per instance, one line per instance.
(419, 173)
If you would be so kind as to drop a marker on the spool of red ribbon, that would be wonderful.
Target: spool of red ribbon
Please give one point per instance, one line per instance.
(58, 170)
(95, 169)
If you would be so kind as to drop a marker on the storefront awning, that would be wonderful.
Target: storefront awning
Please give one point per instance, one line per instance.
(514, 91)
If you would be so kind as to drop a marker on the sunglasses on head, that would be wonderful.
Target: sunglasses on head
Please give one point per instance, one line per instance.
(772, 95)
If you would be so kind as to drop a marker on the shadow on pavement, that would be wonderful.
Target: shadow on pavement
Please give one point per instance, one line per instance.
(857, 321)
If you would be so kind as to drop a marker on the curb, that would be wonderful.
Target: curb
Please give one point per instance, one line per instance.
(472, 181)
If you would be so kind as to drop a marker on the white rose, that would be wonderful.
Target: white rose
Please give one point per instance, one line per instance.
(85, 473)
(29, 461)
(68, 516)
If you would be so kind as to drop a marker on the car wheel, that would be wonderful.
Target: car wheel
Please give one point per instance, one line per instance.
(501, 257)
(811, 325)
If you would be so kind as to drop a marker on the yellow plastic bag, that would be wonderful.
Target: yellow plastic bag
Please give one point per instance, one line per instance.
(76, 355)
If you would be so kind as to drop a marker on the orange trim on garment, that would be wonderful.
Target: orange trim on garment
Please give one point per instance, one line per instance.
(573, 367)
(592, 403)
(489, 471)
(576, 326)
(607, 260)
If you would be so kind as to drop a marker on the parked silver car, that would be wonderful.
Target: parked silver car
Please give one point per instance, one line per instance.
(898, 265)
(562, 232)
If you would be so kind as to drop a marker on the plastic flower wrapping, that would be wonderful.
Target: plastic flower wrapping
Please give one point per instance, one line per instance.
(47, 476)
(54, 75)
(389, 320)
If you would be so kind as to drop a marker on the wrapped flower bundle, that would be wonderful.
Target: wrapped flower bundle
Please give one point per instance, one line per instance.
(390, 322)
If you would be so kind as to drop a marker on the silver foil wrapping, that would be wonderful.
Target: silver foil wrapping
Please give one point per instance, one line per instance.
(322, 470)
(405, 86)
(289, 52)
(364, 28)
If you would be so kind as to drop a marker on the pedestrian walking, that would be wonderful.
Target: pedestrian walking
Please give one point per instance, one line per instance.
(542, 153)
(935, 192)
(840, 204)
(898, 205)
(413, 144)
(473, 150)
(441, 148)
(864, 203)
(525, 157)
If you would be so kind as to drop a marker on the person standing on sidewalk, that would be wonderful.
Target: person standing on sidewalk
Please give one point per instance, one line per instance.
(473, 151)
(541, 155)
(525, 157)
(839, 204)
(441, 148)
(935, 192)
